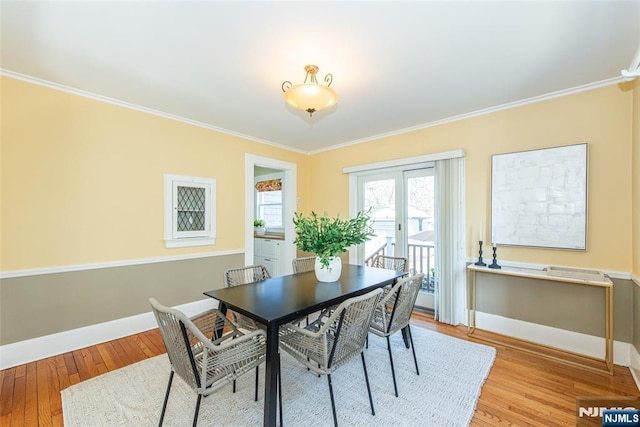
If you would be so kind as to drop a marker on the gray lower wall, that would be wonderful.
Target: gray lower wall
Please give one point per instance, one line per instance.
(35, 306)
(561, 305)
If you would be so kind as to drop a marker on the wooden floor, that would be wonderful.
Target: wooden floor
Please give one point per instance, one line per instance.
(521, 389)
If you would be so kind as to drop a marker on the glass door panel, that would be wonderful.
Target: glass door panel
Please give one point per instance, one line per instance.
(420, 229)
(379, 194)
(402, 209)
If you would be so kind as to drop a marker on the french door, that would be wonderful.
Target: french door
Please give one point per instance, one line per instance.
(402, 207)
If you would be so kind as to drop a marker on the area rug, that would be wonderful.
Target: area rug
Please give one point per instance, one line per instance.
(452, 372)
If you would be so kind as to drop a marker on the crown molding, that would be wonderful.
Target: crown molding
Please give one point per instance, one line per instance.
(509, 105)
(101, 98)
(86, 94)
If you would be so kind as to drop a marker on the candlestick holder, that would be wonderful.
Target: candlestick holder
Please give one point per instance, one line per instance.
(494, 264)
(480, 262)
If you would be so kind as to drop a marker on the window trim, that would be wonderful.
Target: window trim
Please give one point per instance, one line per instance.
(267, 177)
(206, 238)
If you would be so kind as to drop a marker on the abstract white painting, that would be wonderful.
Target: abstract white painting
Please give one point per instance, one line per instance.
(539, 198)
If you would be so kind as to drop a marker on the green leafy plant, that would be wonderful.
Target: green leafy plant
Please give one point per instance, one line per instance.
(258, 223)
(327, 237)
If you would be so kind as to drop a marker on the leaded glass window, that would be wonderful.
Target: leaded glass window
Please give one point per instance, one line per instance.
(189, 211)
(191, 208)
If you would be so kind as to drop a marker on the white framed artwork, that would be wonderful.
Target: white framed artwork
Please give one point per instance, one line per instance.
(539, 198)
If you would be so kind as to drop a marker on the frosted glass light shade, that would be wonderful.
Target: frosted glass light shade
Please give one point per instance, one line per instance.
(311, 97)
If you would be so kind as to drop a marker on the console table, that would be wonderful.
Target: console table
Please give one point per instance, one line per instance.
(556, 274)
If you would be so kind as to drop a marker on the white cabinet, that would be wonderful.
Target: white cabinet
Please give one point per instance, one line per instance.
(268, 253)
(269, 263)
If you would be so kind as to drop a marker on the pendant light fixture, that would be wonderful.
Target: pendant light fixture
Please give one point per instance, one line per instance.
(310, 96)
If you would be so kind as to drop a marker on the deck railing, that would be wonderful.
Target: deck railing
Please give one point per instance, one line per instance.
(420, 260)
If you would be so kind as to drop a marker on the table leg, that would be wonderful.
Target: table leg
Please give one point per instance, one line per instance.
(271, 376)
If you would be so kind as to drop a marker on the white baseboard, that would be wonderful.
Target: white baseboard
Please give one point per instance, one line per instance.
(27, 351)
(562, 339)
(635, 366)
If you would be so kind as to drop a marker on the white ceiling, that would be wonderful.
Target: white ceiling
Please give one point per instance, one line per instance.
(396, 65)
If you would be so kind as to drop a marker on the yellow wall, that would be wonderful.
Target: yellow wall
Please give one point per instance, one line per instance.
(601, 117)
(636, 179)
(82, 180)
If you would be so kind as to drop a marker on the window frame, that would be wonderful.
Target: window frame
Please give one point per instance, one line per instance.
(177, 239)
(267, 177)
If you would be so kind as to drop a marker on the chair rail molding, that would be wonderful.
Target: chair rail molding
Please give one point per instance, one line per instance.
(124, 263)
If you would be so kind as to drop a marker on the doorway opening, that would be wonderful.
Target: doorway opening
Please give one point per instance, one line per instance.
(288, 173)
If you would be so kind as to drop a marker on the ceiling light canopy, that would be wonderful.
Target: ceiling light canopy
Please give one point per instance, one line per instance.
(310, 96)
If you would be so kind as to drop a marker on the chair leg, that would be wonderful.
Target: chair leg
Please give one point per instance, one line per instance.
(195, 416)
(393, 371)
(404, 336)
(255, 397)
(413, 349)
(166, 399)
(366, 378)
(234, 386)
(333, 403)
(366, 341)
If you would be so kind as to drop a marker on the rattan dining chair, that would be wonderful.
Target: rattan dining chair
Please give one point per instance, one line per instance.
(300, 265)
(205, 361)
(328, 343)
(304, 264)
(393, 313)
(243, 276)
(391, 263)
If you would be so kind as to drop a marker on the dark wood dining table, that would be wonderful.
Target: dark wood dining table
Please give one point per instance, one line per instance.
(279, 300)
